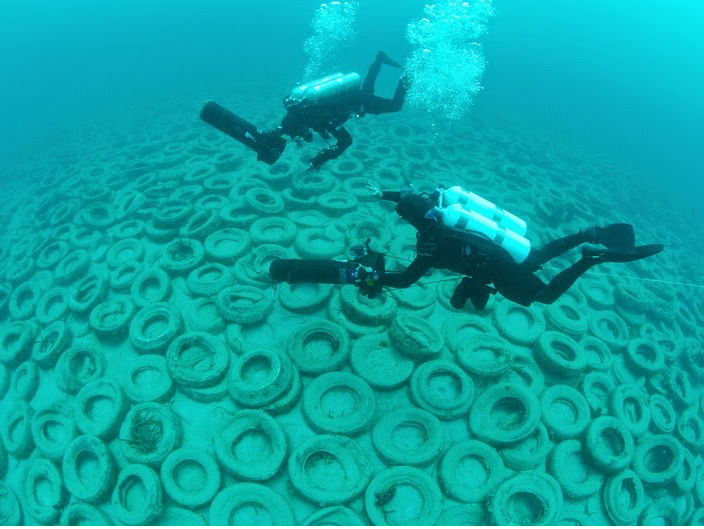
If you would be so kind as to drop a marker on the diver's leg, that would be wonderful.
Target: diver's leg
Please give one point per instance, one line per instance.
(552, 249)
(372, 74)
(563, 281)
(380, 105)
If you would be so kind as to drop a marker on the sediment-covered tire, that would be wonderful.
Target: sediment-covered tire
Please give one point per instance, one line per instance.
(319, 346)
(52, 430)
(690, 429)
(226, 245)
(43, 495)
(338, 402)
(16, 342)
(610, 328)
(23, 301)
(273, 230)
(87, 293)
(264, 200)
(408, 436)
(686, 477)
(251, 446)
(93, 483)
(137, 498)
(560, 354)
(313, 464)
(415, 337)
(244, 305)
(597, 354)
(202, 314)
(265, 507)
(181, 256)
(338, 516)
(380, 497)
(530, 453)
(197, 360)
(663, 511)
(609, 443)
(83, 514)
(289, 399)
(190, 477)
(130, 250)
(470, 470)
(658, 458)
(567, 316)
(303, 297)
(78, 365)
(629, 405)
(71, 267)
(565, 412)
(4, 380)
(504, 414)
(442, 388)
(200, 224)
(151, 286)
(100, 407)
(146, 379)
(110, 319)
(208, 279)
(172, 515)
(25, 380)
(624, 497)
(485, 356)
(10, 510)
(527, 498)
(524, 370)
(149, 433)
(52, 306)
(123, 276)
(569, 465)
(172, 213)
(519, 325)
(259, 377)
(645, 356)
(680, 385)
(379, 364)
(596, 388)
(16, 431)
(154, 327)
(52, 253)
(366, 311)
(3, 465)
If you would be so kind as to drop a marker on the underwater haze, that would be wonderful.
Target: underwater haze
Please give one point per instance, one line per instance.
(153, 373)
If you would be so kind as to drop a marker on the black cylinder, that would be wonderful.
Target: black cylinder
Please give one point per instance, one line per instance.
(312, 271)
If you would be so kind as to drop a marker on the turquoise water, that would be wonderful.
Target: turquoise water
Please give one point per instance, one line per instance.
(149, 372)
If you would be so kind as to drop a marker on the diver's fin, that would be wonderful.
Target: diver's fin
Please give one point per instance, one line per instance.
(381, 56)
(598, 255)
(616, 236)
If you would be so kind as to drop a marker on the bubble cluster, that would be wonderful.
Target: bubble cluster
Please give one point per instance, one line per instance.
(447, 64)
(333, 29)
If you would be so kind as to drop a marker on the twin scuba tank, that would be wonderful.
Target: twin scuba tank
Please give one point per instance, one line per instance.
(330, 86)
(465, 210)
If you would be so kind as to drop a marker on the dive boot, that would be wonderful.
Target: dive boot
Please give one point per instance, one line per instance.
(597, 255)
(614, 236)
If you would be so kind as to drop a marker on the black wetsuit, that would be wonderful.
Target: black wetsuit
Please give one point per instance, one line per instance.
(479, 259)
(328, 116)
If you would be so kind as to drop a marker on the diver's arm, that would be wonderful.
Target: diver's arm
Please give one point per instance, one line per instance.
(410, 275)
(395, 196)
(344, 140)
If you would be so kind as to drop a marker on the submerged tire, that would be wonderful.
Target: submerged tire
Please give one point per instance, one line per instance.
(190, 477)
(266, 507)
(490, 413)
(537, 490)
(470, 470)
(137, 497)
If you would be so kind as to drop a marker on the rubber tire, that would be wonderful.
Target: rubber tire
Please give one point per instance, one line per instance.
(570, 481)
(156, 388)
(197, 360)
(79, 365)
(258, 496)
(245, 305)
(151, 505)
(485, 356)
(47, 509)
(259, 392)
(560, 425)
(490, 430)
(198, 492)
(433, 397)
(624, 512)
(155, 344)
(463, 485)
(379, 364)
(621, 404)
(415, 337)
(102, 479)
(424, 428)
(530, 453)
(599, 447)
(541, 486)
(77, 514)
(664, 450)
(316, 359)
(16, 431)
(164, 442)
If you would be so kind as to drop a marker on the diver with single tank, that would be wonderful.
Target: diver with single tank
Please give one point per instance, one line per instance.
(322, 106)
(465, 233)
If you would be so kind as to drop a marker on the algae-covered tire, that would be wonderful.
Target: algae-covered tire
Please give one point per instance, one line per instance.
(381, 497)
(43, 493)
(52, 306)
(303, 297)
(151, 286)
(658, 458)
(259, 377)
(52, 430)
(609, 443)
(569, 465)
(690, 430)
(329, 469)
(200, 224)
(202, 314)
(181, 256)
(23, 301)
(624, 497)
(527, 498)
(597, 354)
(251, 446)
(319, 346)
(334, 516)
(190, 477)
(415, 337)
(250, 504)
(3, 462)
(560, 354)
(244, 305)
(565, 412)
(16, 342)
(79, 365)
(87, 293)
(16, 430)
(470, 470)
(83, 514)
(485, 356)
(629, 405)
(52, 253)
(4, 380)
(83, 449)
(10, 510)
(25, 380)
(137, 497)
(645, 356)
(662, 414)
(110, 319)
(610, 328)
(71, 267)
(567, 316)
(504, 414)
(154, 327)
(529, 453)
(319, 243)
(149, 433)
(379, 364)
(226, 245)
(442, 388)
(663, 511)
(99, 408)
(520, 325)
(172, 213)
(273, 230)
(408, 436)
(360, 309)
(125, 251)
(146, 379)
(264, 200)
(596, 388)
(172, 515)
(197, 360)
(686, 478)
(208, 279)
(338, 402)
(680, 386)
(124, 275)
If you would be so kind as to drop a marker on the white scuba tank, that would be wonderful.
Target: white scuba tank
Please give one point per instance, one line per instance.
(473, 202)
(455, 216)
(331, 85)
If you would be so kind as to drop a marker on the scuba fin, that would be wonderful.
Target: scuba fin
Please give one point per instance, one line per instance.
(615, 236)
(597, 255)
(385, 59)
(268, 147)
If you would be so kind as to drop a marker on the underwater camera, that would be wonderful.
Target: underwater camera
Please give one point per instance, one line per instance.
(268, 147)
